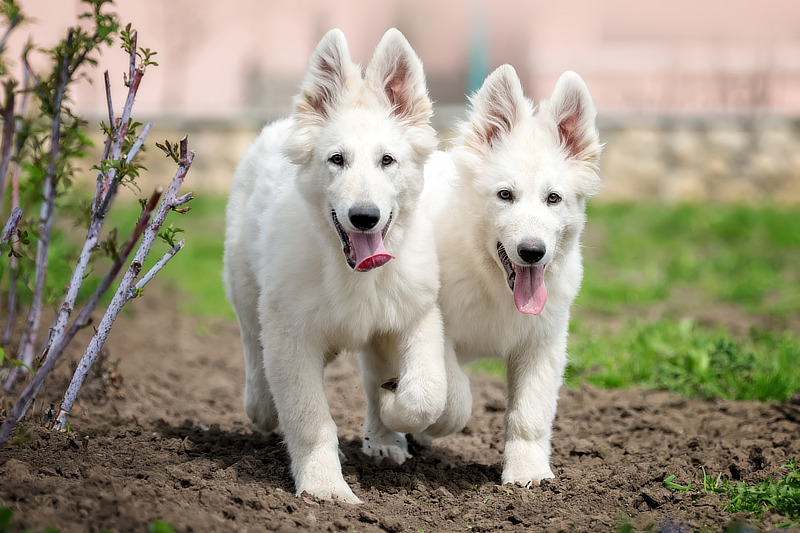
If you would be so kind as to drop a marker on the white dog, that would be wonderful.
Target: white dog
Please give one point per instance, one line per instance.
(326, 250)
(508, 206)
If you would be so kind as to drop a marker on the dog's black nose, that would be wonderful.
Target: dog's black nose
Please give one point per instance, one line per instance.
(531, 251)
(364, 217)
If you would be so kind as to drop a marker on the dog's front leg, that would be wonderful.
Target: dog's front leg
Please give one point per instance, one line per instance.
(418, 397)
(533, 382)
(379, 370)
(295, 367)
(459, 400)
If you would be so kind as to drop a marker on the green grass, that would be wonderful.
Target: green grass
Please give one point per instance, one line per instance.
(641, 254)
(686, 358)
(781, 496)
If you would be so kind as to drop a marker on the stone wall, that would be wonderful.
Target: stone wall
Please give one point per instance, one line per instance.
(716, 160)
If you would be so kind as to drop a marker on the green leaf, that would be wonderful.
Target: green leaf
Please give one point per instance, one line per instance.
(6, 514)
(159, 526)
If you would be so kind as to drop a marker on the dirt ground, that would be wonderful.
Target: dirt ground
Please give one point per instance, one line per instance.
(160, 434)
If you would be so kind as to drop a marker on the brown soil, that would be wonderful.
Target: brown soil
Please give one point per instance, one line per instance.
(163, 436)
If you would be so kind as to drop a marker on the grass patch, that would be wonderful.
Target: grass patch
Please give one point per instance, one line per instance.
(781, 497)
(639, 254)
(681, 357)
(685, 358)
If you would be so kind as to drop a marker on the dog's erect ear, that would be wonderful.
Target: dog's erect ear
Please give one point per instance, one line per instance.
(496, 108)
(329, 71)
(396, 72)
(574, 115)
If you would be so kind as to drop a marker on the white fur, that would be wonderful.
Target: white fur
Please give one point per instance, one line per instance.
(298, 301)
(507, 144)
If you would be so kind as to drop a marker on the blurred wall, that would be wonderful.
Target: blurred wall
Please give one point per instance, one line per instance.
(229, 66)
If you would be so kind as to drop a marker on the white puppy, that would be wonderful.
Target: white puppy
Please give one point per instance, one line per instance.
(326, 250)
(508, 204)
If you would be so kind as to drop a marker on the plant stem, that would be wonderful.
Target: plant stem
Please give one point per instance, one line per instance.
(127, 288)
(82, 319)
(7, 138)
(11, 225)
(26, 347)
(13, 270)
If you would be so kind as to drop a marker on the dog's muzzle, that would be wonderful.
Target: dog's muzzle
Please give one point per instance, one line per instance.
(525, 282)
(363, 251)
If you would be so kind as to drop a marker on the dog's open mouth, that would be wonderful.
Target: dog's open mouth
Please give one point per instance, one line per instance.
(363, 251)
(526, 282)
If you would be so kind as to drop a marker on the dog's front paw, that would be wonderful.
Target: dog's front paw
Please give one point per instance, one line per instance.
(327, 490)
(526, 463)
(391, 445)
(527, 480)
(409, 409)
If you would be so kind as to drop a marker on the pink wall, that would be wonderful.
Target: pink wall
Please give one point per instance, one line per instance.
(234, 58)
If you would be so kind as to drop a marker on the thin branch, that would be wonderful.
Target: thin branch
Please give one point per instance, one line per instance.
(27, 397)
(82, 319)
(26, 347)
(179, 201)
(7, 138)
(139, 142)
(125, 291)
(113, 181)
(13, 270)
(32, 390)
(106, 189)
(101, 182)
(155, 269)
(134, 79)
(107, 183)
(11, 225)
(12, 23)
(108, 100)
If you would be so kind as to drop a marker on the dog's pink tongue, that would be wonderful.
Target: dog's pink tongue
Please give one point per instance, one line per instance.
(530, 294)
(368, 250)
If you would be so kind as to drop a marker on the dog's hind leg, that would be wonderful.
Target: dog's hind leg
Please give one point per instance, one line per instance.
(376, 373)
(295, 367)
(258, 402)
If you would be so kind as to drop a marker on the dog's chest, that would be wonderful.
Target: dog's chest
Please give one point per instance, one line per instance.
(352, 310)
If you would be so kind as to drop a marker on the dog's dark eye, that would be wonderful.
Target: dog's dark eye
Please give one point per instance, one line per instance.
(553, 199)
(387, 160)
(337, 159)
(505, 195)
